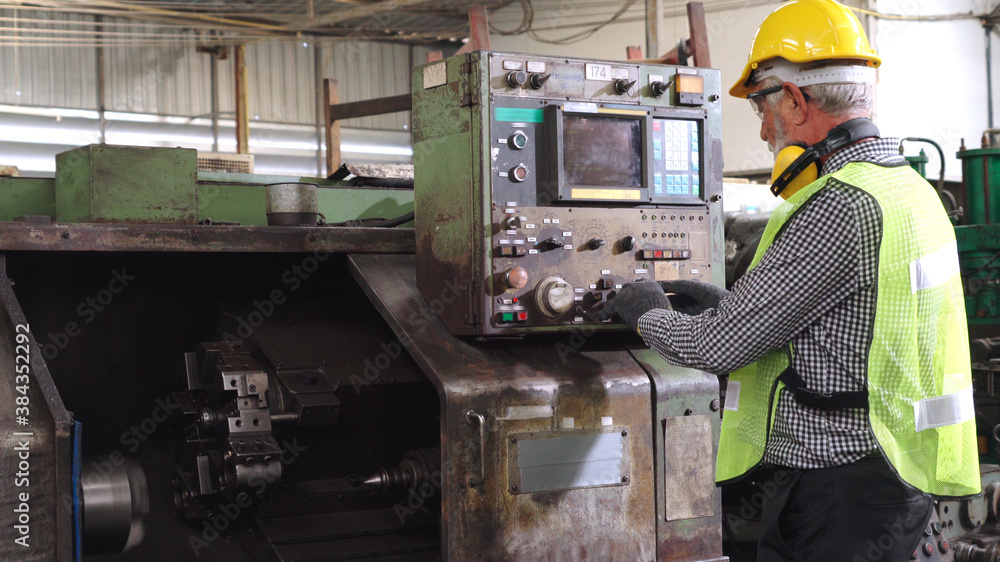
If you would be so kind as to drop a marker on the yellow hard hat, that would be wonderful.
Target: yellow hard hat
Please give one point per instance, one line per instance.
(806, 31)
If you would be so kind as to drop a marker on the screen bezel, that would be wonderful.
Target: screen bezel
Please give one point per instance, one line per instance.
(565, 191)
(555, 121)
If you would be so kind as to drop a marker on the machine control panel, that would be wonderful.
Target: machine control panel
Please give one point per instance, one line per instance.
(592, 174)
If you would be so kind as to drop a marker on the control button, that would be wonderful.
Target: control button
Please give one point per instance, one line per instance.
(658, 88)
(658, 254)
(518, 141)
(928, 549)
(506, 250)
(682, 254)
(518, 173)
(537, 80)
(622, 86)
(943, 546)
(516, 78)
(520, 251)
(628, 243)
(554, 296)
(515, 278)
(522, 316)
(506, 316)
(595, 243)
(936, 527)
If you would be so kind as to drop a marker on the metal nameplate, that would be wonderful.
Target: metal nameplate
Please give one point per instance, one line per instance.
(567, 460)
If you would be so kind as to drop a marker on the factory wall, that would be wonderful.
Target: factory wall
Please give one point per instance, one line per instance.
(932, 84)
(170, 79)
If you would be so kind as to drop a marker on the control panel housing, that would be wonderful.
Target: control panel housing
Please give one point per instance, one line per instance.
(545, 184)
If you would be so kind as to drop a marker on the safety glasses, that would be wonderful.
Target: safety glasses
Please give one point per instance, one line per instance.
(757, 99)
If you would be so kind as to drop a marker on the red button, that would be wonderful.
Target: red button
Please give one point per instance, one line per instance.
(658, 254)
(656, 124)
(522, 316)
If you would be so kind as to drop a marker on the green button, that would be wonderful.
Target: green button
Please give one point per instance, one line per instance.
(507, 316)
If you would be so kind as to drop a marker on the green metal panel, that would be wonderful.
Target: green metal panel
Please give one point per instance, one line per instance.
(125, 184)
(26, 196)
(245, 203)
(981, 175)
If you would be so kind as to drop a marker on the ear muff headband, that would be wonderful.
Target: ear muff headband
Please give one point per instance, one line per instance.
(840, 136)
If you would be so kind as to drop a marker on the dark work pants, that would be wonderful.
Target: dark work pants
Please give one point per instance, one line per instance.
(859, 512)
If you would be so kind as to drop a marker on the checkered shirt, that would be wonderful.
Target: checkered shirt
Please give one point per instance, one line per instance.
(814, 288)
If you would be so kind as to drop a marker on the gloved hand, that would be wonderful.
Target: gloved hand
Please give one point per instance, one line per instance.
(634, 300)
(694, 297)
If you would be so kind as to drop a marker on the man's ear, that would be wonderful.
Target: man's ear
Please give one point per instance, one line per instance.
(795, 103)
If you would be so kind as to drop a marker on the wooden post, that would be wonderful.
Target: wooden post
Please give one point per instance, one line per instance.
(331, 97)
(699, 34)
(242, 116)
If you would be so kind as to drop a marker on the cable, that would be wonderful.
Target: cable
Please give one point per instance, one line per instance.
(580, 36)
(377, 222)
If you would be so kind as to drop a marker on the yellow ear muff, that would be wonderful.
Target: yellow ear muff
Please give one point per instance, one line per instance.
(783, 160)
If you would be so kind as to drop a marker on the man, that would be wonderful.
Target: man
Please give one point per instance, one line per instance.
(846, 340)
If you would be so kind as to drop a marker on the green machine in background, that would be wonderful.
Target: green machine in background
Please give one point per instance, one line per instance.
(978, 234)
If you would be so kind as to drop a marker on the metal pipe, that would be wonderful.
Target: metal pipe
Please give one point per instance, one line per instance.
(989, 75)
(99, 51)
(242, 112)
(318, 83)
(214, 81)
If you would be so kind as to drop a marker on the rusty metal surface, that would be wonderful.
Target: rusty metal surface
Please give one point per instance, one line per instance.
(684, 393)
(42, 470)
(197, 238)
(587, 379)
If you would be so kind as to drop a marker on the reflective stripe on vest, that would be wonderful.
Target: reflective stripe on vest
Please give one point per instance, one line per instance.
(919, 379)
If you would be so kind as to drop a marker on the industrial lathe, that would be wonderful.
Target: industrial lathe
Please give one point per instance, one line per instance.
(388, 363)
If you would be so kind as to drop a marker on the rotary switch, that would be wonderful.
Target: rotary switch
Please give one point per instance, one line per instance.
(658, 88)
(537, 80)
(554, 296)
(622, 86)
(628, 243)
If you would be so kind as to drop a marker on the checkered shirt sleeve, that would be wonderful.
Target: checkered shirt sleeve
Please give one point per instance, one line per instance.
(813, 288)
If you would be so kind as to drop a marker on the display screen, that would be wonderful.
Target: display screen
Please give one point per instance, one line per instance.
(676, 158)
(602, 151)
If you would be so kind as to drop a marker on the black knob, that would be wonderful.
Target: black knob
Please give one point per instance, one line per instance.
(628, 243)
(595, 243)
(552, 242)
(511, 223)
(516, 78)
(622, 86)
(537, 80)
(658, 88)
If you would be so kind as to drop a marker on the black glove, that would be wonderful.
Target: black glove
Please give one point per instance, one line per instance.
(694, 297)
(634, 300)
